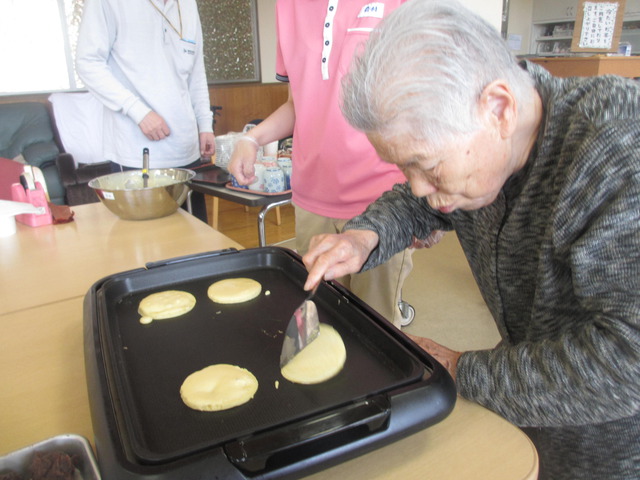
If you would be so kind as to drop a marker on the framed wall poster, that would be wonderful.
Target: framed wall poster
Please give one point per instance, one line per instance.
(230, 35)
(598, 26)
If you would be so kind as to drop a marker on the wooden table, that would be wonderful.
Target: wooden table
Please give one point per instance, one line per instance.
(50, 263)
(44, 391)
(590, 66)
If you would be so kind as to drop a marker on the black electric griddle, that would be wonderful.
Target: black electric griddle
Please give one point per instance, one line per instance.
(388, 387)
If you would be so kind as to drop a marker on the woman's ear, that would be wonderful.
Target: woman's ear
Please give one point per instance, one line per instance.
(498, 105)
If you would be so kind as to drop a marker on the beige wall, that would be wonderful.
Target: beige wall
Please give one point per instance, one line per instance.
(520, 12)
(489, 9)
(267, 38)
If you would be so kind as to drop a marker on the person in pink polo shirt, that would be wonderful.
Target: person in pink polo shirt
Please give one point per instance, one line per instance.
(336, 171)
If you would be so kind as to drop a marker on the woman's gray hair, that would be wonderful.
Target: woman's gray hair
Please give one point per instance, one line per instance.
(424, 69)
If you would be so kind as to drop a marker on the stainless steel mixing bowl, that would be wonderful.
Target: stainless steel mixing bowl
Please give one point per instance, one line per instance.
(125, 195)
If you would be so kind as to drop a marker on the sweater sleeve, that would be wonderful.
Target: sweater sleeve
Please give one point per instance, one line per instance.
(397, 216)
(96, 37)
(586, 369)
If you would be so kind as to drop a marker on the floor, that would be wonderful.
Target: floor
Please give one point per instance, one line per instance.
(448, 304)
(449, 307)
(240, 223)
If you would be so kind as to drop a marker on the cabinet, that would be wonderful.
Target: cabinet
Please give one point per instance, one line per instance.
(591, 66)
(554, 20)
(554, 10)
(632, 10)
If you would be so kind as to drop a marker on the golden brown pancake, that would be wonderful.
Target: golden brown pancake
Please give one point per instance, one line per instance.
(167, 304)
(319, 361)
(234, 290)
(218, 387)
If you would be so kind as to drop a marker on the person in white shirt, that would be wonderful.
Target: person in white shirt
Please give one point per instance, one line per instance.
(144, 61)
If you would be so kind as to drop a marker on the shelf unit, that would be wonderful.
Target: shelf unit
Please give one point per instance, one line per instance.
(553, 38)
(554, 20)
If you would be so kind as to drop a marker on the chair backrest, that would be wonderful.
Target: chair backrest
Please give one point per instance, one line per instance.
(79, 118)
(25, 129)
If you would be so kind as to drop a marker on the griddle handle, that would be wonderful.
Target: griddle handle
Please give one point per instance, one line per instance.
(189, 258)
(295, 442)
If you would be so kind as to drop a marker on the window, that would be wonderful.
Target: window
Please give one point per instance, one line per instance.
(38, 39)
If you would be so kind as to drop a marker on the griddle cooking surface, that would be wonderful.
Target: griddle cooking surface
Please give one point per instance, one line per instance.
(148, 363)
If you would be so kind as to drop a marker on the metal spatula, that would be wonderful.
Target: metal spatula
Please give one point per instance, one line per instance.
(302, 329)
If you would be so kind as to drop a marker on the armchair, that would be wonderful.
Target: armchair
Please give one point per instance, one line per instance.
(26, 132)
(76, 178)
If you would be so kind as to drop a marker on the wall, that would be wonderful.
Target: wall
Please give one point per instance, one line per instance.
(243, 103)
(520, 15)
(490, 10)
(267, 36)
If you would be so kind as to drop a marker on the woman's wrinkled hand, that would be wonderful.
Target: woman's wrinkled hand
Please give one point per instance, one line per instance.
(430, 241)
(445, 356)
(332, 256)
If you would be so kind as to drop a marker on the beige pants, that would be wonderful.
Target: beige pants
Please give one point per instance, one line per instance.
(380, 287)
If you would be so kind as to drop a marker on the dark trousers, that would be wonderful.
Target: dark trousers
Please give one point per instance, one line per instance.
(198, 206)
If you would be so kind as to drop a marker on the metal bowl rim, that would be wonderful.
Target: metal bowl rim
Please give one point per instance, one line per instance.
(94, 183)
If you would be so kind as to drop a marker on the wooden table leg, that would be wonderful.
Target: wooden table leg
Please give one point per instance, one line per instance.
(213, 206)
(278, 217)
(216, 207)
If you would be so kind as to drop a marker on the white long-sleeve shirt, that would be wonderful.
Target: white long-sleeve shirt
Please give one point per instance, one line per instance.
(131, 58)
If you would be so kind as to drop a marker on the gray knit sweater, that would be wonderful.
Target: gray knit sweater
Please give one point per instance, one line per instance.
(557, 259)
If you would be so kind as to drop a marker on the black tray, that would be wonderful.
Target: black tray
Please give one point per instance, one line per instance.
(146, 364)
(211, 174)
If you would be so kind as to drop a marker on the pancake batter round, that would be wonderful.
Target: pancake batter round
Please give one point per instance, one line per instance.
(234, 290)
(167, 304)
(218, 387)
(319, 361)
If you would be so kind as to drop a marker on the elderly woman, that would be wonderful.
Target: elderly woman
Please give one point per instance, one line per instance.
(540, 179)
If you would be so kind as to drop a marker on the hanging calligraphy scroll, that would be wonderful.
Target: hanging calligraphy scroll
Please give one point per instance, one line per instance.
(598, 26)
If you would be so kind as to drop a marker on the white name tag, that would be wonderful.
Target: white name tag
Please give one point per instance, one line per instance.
(375, 9)
(188, 46)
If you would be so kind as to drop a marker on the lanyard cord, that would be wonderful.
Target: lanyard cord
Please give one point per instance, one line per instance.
(169, 21)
